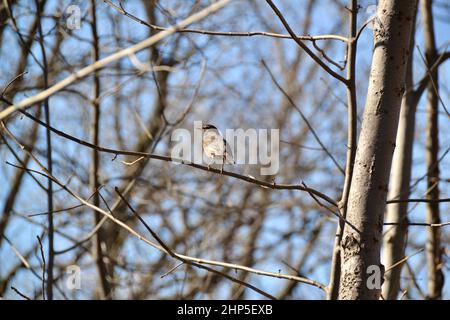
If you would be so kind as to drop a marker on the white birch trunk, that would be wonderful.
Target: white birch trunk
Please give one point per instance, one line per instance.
(361, 249)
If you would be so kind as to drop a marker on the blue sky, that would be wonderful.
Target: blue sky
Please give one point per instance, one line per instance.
(233, 65)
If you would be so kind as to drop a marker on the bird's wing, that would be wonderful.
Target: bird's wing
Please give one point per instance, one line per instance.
(228, 153)
(214, 148)
(214, 144)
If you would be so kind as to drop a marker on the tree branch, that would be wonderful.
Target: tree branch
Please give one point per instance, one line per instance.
(25, 103)
(303, 46)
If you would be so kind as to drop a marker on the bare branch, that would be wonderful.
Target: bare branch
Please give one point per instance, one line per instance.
(109, 59)
(303, 46)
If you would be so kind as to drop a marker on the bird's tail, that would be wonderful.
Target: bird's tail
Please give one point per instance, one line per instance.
(229, 159)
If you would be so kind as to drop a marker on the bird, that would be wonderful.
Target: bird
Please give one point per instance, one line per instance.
(215, 146)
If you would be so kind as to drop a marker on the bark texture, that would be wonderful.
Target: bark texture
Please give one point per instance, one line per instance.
(394, 241)
(368, 191)
(434, 249)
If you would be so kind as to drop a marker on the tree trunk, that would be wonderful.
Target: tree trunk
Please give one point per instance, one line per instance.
(104, 290)
(367, 200)
(434, 257)
(394, 241)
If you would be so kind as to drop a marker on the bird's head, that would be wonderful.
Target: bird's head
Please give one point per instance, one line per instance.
(208, 126)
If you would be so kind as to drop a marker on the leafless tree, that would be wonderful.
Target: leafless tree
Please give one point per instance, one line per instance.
(92, 93)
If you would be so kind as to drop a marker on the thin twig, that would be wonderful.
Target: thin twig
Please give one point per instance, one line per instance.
(27, 102)
(402, 260)
(419, 224)
(417, 200)
(291, 101)
(303, 46)
(187, 258)
(64, 209)
(326, 57)
(20, 293)
(172, 270)
(436, 91)
(43, 267)
(16, 251)
(122, 11)
(174, 255)
(11, 82)
(261, 183)
(336, 214)
(91, 234)
(44, 67)
(157, 246)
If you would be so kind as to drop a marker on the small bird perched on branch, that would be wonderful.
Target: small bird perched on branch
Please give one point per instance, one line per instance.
(215, 146)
